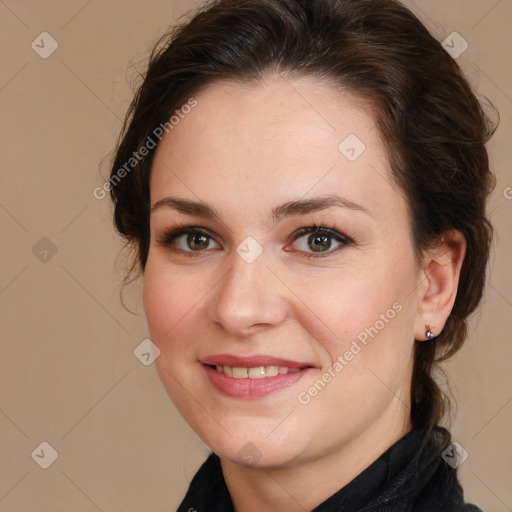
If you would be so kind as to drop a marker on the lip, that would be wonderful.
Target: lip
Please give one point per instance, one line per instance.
(251, 361)
(252, 388)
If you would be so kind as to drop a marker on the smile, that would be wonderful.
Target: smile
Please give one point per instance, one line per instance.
(252, 377)
(256, 372)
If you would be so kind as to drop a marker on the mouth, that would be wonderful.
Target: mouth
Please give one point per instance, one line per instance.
(252, 377)
(254, 372)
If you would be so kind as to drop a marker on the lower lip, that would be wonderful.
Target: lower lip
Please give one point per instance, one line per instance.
(252, 388)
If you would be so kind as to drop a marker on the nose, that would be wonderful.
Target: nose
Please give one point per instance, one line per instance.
(250, 298)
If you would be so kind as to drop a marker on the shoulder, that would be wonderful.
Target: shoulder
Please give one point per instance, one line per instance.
(207, 491)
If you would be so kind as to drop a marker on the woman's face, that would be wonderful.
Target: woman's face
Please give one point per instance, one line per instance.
(292, 270)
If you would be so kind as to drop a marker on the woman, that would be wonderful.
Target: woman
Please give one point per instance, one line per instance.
(304, 186)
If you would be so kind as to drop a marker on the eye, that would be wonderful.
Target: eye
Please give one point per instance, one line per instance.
(317, 241)
(189, 240)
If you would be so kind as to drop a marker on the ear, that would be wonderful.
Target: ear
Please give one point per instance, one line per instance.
(439, 281)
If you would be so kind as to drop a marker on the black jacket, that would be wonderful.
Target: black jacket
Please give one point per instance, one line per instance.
(411, 476)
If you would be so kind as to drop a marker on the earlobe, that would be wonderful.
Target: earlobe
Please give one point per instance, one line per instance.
(429, 333)
(441, 270)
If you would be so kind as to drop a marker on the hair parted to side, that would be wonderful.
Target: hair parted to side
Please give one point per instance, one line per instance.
(432, 124)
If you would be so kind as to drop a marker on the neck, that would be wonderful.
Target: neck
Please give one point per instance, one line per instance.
(303, 486)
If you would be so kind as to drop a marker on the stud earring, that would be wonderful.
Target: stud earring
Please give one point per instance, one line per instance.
(428, 333)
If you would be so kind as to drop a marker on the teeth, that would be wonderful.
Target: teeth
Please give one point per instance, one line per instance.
(257, 372)
(240, 373)
(271, 371)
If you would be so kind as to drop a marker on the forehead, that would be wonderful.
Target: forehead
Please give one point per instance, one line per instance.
(272, 141)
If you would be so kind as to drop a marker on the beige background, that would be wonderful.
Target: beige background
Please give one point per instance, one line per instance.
(68, 375)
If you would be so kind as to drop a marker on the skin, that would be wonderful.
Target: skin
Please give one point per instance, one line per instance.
(244, 151)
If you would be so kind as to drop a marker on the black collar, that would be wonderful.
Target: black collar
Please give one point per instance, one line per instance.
(411, 476)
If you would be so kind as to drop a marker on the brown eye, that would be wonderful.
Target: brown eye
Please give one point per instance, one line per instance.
(198, 241)
(188, 240)
(319, 243)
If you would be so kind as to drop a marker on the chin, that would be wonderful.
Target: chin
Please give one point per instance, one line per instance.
(257, 446)
(259, 454)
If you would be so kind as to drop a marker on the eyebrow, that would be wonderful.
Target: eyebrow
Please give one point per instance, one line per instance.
(305, 206)
(187, 207)
(289, 209)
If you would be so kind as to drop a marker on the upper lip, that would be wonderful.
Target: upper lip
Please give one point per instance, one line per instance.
(251, 361)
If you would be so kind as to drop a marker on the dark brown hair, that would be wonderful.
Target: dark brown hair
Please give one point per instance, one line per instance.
(433, 126)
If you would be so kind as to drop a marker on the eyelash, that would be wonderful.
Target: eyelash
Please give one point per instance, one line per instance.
(331, 231)
(184, 229)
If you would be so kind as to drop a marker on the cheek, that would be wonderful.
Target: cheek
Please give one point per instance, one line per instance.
(170, 304)
(361, 322)
(365, 340)
(158, 304)
(376, 321)
(340, 305)
(167, 303)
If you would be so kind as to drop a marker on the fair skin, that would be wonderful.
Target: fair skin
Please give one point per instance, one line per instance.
(244, 152)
